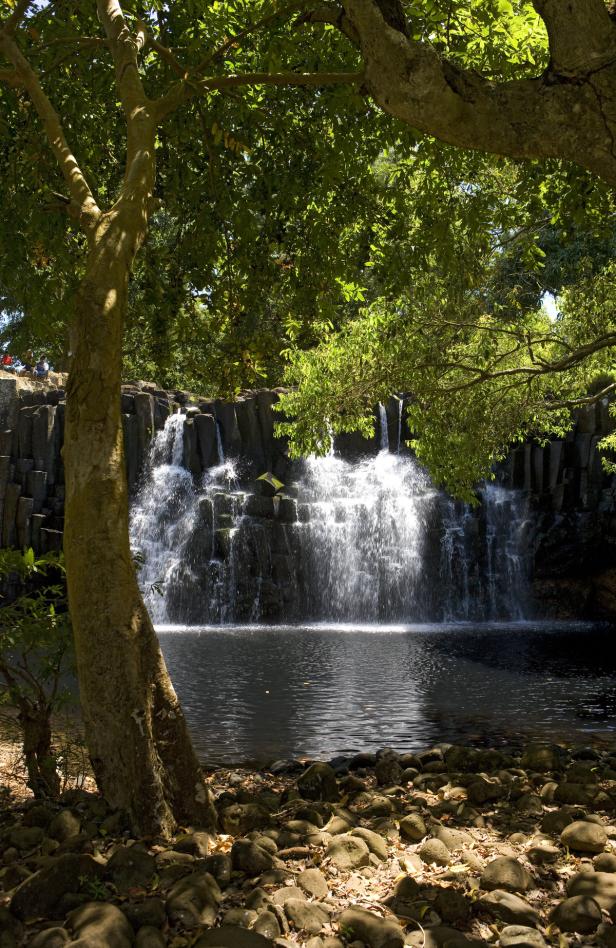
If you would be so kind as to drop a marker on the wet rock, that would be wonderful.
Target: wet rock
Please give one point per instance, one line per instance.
(231, 936)
(509, 908)
(318, 782)
(131, 867)
(40, 895)
(64, 825)
(542, 758)
(584, 837)
(387, 769)
(148, 937)
(600, 886)
(307, 916)
(194, 900)
(505, 873)
(348, 852)
(196, 844)
(250, 858)
(413, 828)
(313, 882)
(434, 851)
(580, 913)
(98, 923)
(373, 841)
(520, 936)
(374, 931)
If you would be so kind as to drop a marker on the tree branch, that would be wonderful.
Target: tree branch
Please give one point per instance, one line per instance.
(527, 118)
(12, 22)
(79, 189)
(125, 48)
(581, 34)
(335, 15)
(188, 89)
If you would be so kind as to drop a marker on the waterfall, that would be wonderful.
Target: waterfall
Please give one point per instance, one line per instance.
(400, 411)
(381, 544)
(384, 428)
(363, 541)
(187, 537)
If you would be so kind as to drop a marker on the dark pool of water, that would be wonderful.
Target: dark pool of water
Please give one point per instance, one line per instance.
(258, 693)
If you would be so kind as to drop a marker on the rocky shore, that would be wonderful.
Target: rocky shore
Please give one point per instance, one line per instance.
(452, 847)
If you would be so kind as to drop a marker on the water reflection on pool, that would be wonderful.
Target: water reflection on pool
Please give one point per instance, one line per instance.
(257, 693)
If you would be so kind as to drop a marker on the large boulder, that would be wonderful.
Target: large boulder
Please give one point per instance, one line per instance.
(39, 896)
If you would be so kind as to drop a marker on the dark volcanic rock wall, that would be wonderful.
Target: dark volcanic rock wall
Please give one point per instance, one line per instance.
(571, 532)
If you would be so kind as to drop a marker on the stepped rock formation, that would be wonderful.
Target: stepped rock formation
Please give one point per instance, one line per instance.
(569, 533)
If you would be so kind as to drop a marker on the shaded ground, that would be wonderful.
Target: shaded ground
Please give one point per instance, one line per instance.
(453, 846)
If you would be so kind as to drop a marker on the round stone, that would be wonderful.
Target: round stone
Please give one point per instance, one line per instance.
(413, 828)
(584, 837)
(580, 914)
(435, 851)
(506, 873)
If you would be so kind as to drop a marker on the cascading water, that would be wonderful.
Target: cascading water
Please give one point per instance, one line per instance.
(363, 541)
(187, 536)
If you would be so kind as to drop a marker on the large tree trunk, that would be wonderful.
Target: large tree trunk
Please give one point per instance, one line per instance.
(136, 733)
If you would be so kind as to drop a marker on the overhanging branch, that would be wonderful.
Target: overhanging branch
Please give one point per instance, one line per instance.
(189, 88)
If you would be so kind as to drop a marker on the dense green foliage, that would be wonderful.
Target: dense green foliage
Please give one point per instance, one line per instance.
(35, 649)
(303, 224)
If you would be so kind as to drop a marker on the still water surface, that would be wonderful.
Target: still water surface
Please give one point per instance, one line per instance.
(258, 693)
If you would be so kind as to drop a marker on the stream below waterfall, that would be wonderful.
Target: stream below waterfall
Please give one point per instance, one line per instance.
(260, 693)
